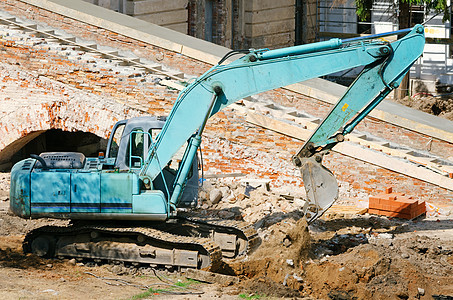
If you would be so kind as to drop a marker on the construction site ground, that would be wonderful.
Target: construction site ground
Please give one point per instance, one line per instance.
(341, 256)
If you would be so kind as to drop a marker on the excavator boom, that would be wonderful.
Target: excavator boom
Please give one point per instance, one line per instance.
(385, 64)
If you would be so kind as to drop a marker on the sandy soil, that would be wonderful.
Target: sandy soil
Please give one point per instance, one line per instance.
(338, 257)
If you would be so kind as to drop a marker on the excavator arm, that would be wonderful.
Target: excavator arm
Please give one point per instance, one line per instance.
(385, 64)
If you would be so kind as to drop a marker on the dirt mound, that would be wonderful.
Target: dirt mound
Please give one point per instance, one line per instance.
(264, 286)
(368, 272)
(438, 106)
(291, 262)
(12, 225)
(279, 260)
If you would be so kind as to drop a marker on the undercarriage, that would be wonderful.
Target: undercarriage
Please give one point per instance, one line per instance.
(186, 242)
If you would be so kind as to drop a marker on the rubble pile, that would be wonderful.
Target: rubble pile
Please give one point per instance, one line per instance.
(441, 106)
(250, 200)
(4, 186)
(352, 257)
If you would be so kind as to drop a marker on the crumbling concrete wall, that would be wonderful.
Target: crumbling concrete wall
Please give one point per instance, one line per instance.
(32, 104)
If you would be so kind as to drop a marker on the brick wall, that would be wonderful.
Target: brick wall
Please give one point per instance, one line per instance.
(32, 104)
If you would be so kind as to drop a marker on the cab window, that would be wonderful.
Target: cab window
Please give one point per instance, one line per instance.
(116, 138)
(135, 149)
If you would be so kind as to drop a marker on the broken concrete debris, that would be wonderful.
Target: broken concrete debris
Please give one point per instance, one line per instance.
(215, 195)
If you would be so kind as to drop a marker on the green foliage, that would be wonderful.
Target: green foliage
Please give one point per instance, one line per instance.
(251, 296)
(364, 9)
(438, 6)
(149, 293)
(168, 291)
(188, 282)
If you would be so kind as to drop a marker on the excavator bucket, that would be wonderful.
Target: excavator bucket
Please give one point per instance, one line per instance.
(321, 188)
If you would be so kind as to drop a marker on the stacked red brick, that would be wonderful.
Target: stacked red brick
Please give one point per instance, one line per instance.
(395, 205)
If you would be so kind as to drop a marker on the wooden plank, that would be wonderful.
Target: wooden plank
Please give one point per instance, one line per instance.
(384, 147)
(330, 92)
(357, 152)
(278, 126)
(347, 209)
(172, 84)
(396, 165)
(428, 162)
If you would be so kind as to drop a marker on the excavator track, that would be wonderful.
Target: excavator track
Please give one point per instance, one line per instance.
(136, 245)
(235, 238)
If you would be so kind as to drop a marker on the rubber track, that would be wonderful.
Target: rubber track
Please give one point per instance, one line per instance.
(163, 237)
(252, 238)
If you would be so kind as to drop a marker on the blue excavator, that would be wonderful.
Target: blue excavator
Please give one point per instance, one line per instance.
(125, 206)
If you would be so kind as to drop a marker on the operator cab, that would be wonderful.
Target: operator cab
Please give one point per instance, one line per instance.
(128, 147)
(131, 140)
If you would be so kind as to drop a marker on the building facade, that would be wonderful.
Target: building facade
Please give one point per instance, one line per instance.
(236, 24)
(244, 24)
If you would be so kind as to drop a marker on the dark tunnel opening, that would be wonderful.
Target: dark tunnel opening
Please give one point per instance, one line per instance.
(53, 140)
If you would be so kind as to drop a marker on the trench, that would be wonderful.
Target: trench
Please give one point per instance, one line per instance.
(53, 140)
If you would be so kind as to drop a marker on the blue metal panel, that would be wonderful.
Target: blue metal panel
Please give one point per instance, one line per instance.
(19, 194)
(50, 192)
(86, 192)
(150, 202)
(116, 192)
